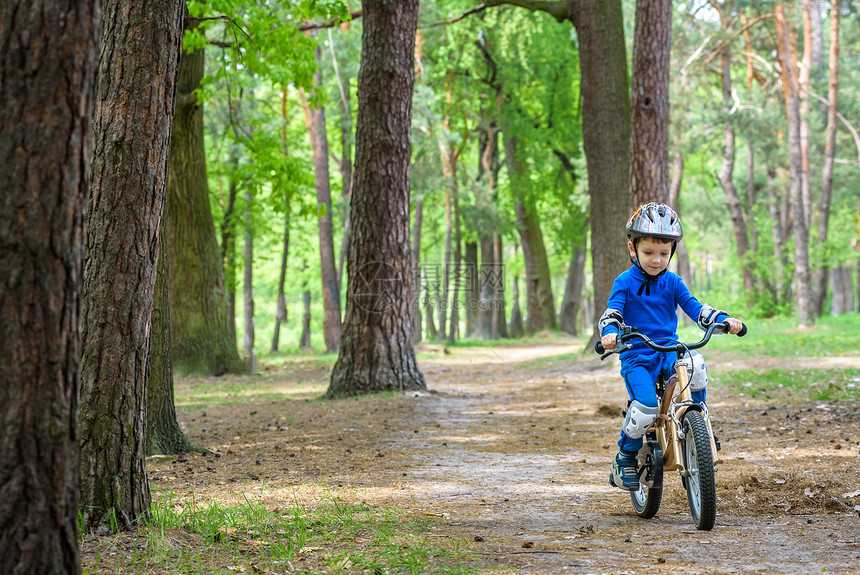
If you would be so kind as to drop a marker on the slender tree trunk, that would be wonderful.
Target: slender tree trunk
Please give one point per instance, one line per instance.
(281, 312)
(820, 275)
(415, 300)
(516, 327)
(442, 303)
(248, 288)
(499, 322)
(202, 338)
(801, 236)
(131, 129)
(377, 353)
(775, 232)
(488, 277)
(573, 292)
(315, 118)
(305, 339)
(454, 331)
(649, 160)
(428, 307)
(228, 256)
(726, 173)
(540, 302)
(163, 434)
(804, 73)
(751, 196)
(345, 157)
(47, 75)
(472, 290)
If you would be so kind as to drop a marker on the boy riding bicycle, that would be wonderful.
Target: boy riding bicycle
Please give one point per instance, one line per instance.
(646, 296)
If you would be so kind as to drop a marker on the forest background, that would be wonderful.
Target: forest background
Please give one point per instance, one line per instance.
(513, 74)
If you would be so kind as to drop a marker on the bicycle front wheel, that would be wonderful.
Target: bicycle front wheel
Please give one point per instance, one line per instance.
(699, 461)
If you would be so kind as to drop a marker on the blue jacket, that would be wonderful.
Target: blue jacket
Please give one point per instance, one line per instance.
(650, 305)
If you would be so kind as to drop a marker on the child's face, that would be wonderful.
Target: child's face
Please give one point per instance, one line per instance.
(653, 256)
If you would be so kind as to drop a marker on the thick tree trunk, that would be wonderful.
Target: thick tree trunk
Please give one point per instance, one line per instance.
(540, 302)
(377, 352)
(131, 140)
(606, 137)
(202, 339)
(649, 159)
(573, 292)
(330, 286)
(248, 286)
(820, 275)
(415, 298)
(47, 77)
(163, 434)
(801, 236)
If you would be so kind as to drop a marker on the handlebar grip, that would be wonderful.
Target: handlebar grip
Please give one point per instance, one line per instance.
(598, 347)
(743, 331)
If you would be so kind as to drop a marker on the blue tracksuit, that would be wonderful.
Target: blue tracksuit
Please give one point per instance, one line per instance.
(650, 306)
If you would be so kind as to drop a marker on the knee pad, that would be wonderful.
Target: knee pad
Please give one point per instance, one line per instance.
(638, 419)
(697, 370)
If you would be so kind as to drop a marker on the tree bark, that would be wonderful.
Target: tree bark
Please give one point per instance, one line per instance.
(516, 327)
(377, 352)
(228, 255)
(649, 159)
(47, 78)
(801, 236)
(820, 275)
(163, 434)
(131, 139)
(202, 339)
(472, 291)
(248, 287)
(454, 331)
(315, 118)
(804, 73)
(606, 137)
(775, 233)
(415, 299)
(281, 312)
(305, 339)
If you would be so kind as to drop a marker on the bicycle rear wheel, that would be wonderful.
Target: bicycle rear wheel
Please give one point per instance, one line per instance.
(646, 500)
(699, 461)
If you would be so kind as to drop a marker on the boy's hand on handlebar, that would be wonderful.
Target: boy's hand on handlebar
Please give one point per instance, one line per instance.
(609, 341)
(735, 325)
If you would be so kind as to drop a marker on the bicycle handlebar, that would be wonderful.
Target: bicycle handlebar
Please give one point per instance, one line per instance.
(629, 333)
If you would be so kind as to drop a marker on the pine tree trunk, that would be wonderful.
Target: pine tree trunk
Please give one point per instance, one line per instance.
(202, 339)
(305, 339)
(48, 70)
(649, 161)
(454, 330)
(163, 434)
(377, 353)
(473, 288)
(820, 275)
(801, 236)
(281, 312)
(315, 118)
(804, 73)
(131, 140)
(228, 256)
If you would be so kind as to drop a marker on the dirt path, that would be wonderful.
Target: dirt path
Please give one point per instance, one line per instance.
(516, 460)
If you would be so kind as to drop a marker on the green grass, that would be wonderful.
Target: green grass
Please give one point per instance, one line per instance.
(326, 535)
(799, 384)
(781, 337)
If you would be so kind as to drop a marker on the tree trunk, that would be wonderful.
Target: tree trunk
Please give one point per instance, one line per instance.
(345, 160)
(751, 196)
(573, 292)
(820, 276)
(472, 291)
(801, 236)
(726, 173)
(315, 118)
(606, 137)
(516, 327)
(281, 312)
(442, 303)
(540, 302)
(131, 139)
(202, 339)
(499, 324)
(775, 232)
(837, 284)
(674, 200)
(50, 59)
(248, 287)
(454, 331)
(163, 434)
(415, 300)
(305, 339)
(804, 73)
(428, 306)
(649, 159)
(377, 353)
(228, 255)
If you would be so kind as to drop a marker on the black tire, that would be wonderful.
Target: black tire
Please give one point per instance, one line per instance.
(646, 500)
(699, 461)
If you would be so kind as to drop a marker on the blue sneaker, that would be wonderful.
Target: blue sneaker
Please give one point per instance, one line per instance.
(624, 470)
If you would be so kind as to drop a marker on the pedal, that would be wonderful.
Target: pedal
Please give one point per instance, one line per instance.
(718, 444)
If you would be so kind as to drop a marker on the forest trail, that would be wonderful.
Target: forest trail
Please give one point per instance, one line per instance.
(511, 447)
